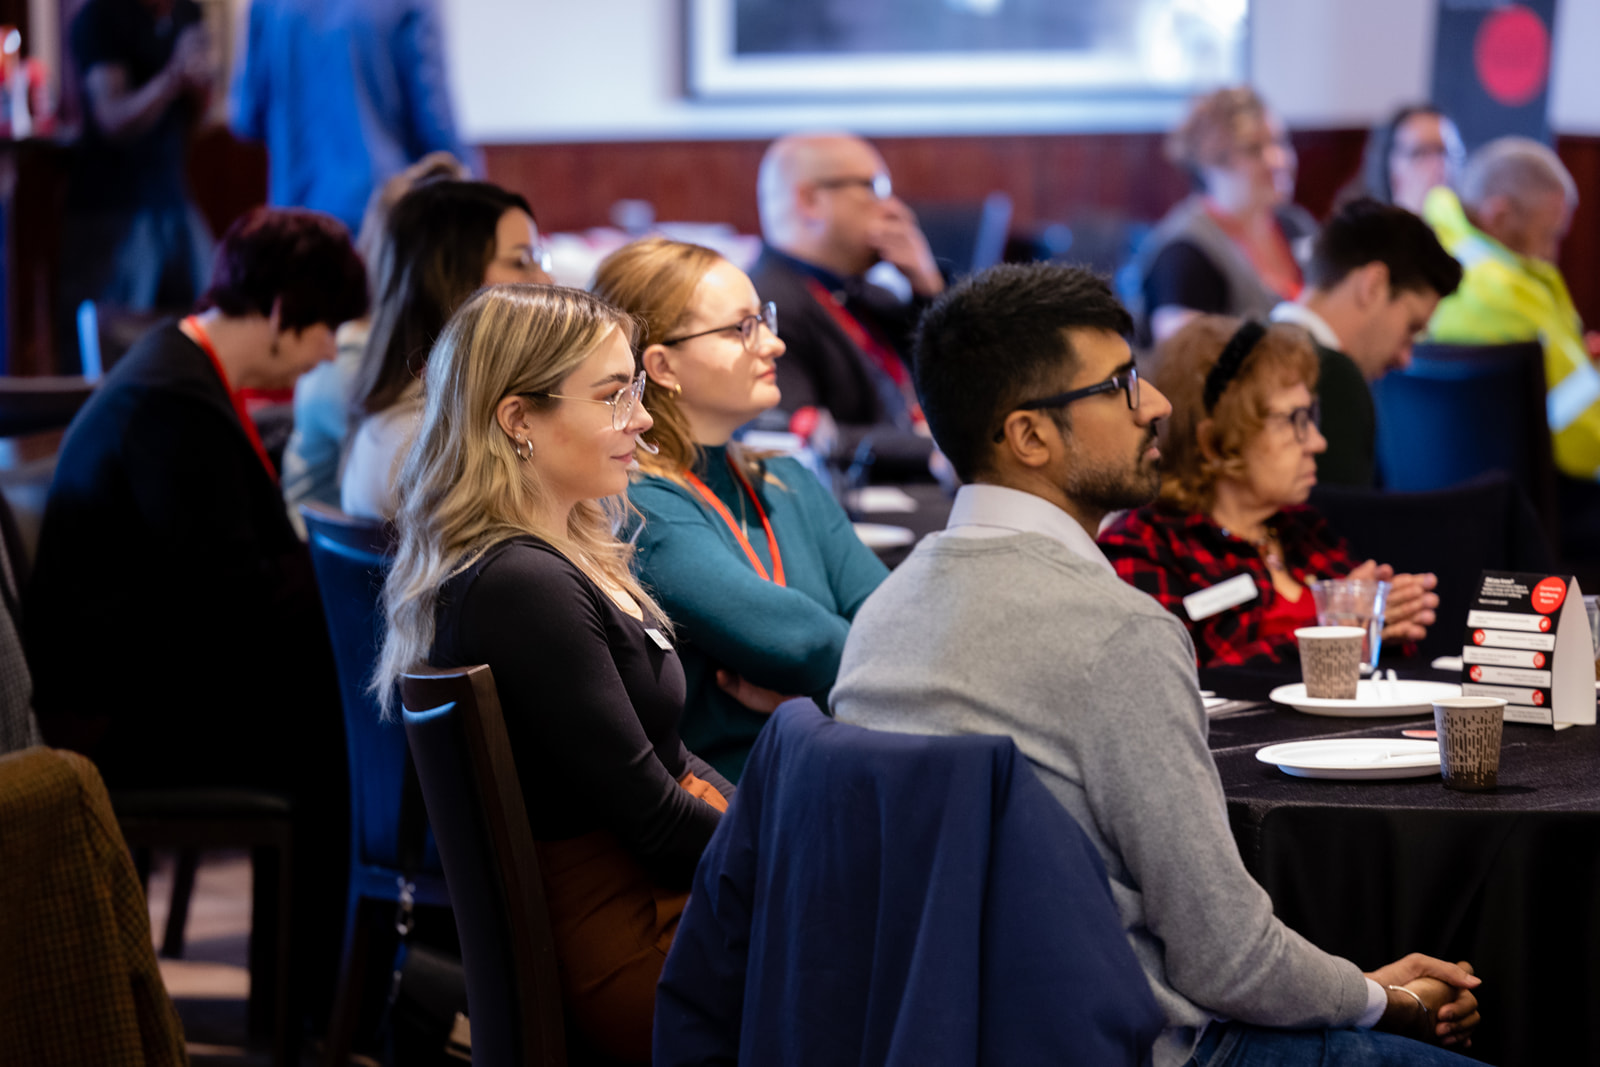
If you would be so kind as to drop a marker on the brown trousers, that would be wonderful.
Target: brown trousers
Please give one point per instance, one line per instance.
(612, 928)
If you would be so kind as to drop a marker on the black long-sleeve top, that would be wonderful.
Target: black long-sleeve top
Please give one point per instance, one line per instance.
(591, 700)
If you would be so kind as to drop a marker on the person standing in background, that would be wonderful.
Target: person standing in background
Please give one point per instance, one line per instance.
(133, 238)
(345, 94)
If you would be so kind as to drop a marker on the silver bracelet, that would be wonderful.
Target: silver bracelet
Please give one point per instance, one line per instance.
(1412, 994)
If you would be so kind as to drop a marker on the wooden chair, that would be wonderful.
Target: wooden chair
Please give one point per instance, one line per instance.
(475, 805)
(387, 825)
(194, 820)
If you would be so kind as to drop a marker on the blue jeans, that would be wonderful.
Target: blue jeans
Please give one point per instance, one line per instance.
(1242, 1045)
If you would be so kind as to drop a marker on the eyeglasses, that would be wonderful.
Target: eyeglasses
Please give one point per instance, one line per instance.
(1127, 381)
(747, 327)
(623, 404)
(539, 256)
(1300, 420)
(880, 185)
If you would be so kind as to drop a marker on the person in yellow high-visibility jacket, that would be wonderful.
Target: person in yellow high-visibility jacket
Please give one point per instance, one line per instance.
(1515, 203)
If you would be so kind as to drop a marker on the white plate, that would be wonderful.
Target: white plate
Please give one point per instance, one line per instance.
(1354, 757)
(877, 535)
(1374, 700)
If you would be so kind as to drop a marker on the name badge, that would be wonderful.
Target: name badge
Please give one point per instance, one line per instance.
(1220, 597)
(659, 638)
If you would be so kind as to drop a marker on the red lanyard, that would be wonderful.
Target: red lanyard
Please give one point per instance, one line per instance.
(203, 339)
(727, 516)
(883, 357)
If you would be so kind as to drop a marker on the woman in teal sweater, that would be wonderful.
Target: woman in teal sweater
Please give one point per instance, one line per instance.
(753, 560)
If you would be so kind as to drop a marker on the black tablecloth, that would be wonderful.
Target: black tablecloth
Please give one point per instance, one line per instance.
(1371, 870)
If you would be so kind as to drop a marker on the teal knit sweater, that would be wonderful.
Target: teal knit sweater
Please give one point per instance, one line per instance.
(726, 616)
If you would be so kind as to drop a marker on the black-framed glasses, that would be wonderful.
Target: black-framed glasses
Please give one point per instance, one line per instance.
(880, 185)
(623, 403)
(1301, 420)
(749, 327)
(1125, 380)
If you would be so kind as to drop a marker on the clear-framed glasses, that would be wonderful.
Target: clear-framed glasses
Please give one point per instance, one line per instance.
(623, 404)
(749, 328)
(1300, 420)
(879, 184)
(1125, 380)
(528, 258)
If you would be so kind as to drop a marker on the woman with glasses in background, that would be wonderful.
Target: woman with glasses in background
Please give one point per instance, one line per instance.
(1416, 150)
(1232, 247)
(507, 503)
(443, 241)
(754, 561)
(1239, 461)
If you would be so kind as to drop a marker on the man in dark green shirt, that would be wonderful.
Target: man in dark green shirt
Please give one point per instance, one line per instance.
(1376, 274)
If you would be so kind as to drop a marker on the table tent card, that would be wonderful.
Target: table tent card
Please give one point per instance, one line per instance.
(1528, 641)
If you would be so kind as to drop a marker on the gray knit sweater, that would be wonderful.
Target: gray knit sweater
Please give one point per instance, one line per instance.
(1096, 684)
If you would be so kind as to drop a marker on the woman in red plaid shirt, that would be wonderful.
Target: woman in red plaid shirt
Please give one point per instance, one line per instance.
(1239, 460)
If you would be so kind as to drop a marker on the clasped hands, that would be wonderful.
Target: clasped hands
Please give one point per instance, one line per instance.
(1445, 989)
(1409, 611)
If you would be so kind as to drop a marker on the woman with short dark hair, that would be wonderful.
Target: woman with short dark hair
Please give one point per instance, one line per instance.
(166, 553)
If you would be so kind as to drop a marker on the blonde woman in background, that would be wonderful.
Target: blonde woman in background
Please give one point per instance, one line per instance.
(1230, 248)
(753, 559)
(507, 500)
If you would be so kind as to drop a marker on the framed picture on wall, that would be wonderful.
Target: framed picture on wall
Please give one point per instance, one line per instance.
(773, 49)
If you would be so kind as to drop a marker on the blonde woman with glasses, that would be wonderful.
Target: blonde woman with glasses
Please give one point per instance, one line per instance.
(752, 558)
(507, 501)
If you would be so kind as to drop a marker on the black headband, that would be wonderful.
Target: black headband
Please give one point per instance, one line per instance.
(1233, 356)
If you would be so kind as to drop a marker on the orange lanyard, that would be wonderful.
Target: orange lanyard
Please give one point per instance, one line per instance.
(727, 516)
(203, 339)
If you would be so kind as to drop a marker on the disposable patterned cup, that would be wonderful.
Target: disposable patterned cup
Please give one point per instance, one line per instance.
(1469, 730)
(1330, 660)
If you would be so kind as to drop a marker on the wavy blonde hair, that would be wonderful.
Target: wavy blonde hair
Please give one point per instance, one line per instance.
(654, 280)
(462, 488)
(1284, 357)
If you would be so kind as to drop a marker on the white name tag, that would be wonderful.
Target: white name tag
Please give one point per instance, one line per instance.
(1220, 597)
(659, 638)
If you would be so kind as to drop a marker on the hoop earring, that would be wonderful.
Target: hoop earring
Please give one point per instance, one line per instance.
(677, 388)
(517, 447)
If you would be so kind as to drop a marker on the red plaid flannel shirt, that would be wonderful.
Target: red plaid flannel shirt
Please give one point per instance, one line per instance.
(1170, 553)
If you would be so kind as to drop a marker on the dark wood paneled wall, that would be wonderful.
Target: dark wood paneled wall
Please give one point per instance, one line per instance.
(572, 186)
(1049, 178)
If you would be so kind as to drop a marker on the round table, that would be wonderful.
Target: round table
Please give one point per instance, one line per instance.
(1371, 870)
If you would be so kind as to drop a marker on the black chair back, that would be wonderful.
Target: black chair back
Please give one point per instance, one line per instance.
(1456, 533)
(475, 804)
(1463, 410)
(966, 237)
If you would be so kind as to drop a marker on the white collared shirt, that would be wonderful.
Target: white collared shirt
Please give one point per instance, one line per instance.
(996, 511)
(1314, 324)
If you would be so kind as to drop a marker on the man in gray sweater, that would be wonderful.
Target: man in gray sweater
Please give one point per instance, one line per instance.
(1022, 628)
